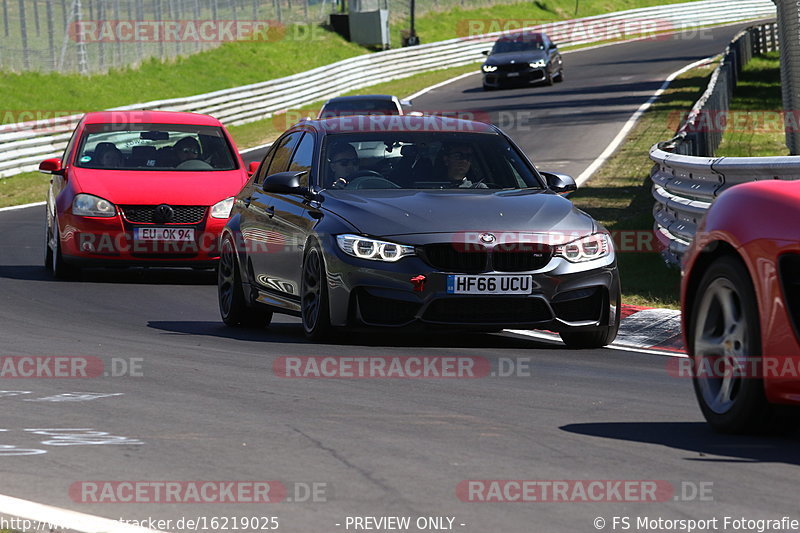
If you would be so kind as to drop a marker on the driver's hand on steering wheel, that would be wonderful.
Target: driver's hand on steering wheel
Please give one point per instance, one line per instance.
(340, 183)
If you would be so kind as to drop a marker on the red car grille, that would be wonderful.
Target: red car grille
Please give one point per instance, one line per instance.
(181, 214)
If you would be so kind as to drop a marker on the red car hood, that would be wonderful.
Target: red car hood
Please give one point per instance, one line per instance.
(130, 187)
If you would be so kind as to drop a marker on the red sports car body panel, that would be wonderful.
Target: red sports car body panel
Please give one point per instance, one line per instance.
(760, 221)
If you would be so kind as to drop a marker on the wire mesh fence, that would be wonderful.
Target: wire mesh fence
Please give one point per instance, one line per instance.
(92, 36)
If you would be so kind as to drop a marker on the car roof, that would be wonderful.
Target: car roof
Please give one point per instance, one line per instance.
(523, 35)
(362, 97)
(397, 124)
(149, 117)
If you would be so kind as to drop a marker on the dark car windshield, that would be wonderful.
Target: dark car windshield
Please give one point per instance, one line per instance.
(339, 108)
(517, 45)
(424, 160)
(182, 147)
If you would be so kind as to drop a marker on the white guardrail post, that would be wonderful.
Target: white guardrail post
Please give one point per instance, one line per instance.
(686, 177)
(24, 145)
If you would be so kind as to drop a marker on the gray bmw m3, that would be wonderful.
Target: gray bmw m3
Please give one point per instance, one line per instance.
(407, 221)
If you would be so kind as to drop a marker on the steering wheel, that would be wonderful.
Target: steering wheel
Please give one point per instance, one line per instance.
(362, 177)
(194, 164)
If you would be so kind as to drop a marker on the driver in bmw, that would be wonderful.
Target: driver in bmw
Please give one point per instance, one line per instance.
(344, 163)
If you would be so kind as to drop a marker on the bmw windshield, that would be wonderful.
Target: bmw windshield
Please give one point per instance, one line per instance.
(424, 160)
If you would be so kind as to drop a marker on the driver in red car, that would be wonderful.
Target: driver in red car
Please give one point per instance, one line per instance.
(343, 163)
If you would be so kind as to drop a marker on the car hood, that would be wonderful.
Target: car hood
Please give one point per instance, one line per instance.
(516, 57)
(386, 213)
(127, 187)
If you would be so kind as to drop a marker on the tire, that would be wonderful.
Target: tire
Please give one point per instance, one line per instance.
(548, 79)
(315, 310)
(560, 76)
(233, 306)
(725, 321)
(581, 339)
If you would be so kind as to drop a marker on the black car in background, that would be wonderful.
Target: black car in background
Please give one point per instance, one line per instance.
(364, 104)
(522, 59)
(391, 221)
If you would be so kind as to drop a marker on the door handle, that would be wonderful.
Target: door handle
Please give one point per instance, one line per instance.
(270, 211)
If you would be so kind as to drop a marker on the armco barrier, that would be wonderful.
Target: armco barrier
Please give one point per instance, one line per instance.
(686, 176)
(22, 146)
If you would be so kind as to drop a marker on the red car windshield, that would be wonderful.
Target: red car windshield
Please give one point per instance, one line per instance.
(182, 147)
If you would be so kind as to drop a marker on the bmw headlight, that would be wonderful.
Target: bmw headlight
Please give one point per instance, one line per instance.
(88, 205)
(589, 248)
(540, 63)
(489, 68)
(365, 248)
(222, 209)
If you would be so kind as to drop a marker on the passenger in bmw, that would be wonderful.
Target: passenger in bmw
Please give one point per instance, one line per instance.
(457, 159)
(343, 163)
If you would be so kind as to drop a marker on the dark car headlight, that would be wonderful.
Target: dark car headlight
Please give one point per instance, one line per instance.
(88, 205)
(589, 248)
(539, 63)
(489, 68)
(365, 248)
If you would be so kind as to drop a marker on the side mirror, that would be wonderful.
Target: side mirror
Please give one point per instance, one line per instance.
(560, 183)
(252, 168)
(485, 52)
(287, 183)
(51, 166)
(553, 46)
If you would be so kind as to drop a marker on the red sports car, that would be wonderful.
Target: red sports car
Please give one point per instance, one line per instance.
(141, 188)
(741, 307)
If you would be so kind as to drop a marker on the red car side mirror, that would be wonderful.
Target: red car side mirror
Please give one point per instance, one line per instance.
(252, 168)
(51, 166)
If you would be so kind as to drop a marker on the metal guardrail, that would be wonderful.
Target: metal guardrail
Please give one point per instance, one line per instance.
(24, 145)
(686, 176)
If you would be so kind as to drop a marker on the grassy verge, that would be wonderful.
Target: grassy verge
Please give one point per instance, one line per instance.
(240, 63)
(755, 126)
(457, 22)
(619, 196)
(24, 188)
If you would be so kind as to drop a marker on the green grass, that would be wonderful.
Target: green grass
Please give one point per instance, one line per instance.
(456, 22)
(756, 128)
(24, 188)
(619, 194)
(240, 63)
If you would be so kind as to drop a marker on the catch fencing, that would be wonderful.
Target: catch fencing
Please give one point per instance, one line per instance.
(686, 175)
(24, 145)
(41, 35)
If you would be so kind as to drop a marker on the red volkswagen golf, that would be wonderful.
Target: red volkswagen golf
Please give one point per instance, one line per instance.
(141, 188)
(741, 308)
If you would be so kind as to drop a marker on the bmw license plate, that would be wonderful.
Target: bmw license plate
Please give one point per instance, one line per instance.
(503, 284)
(164, 234)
